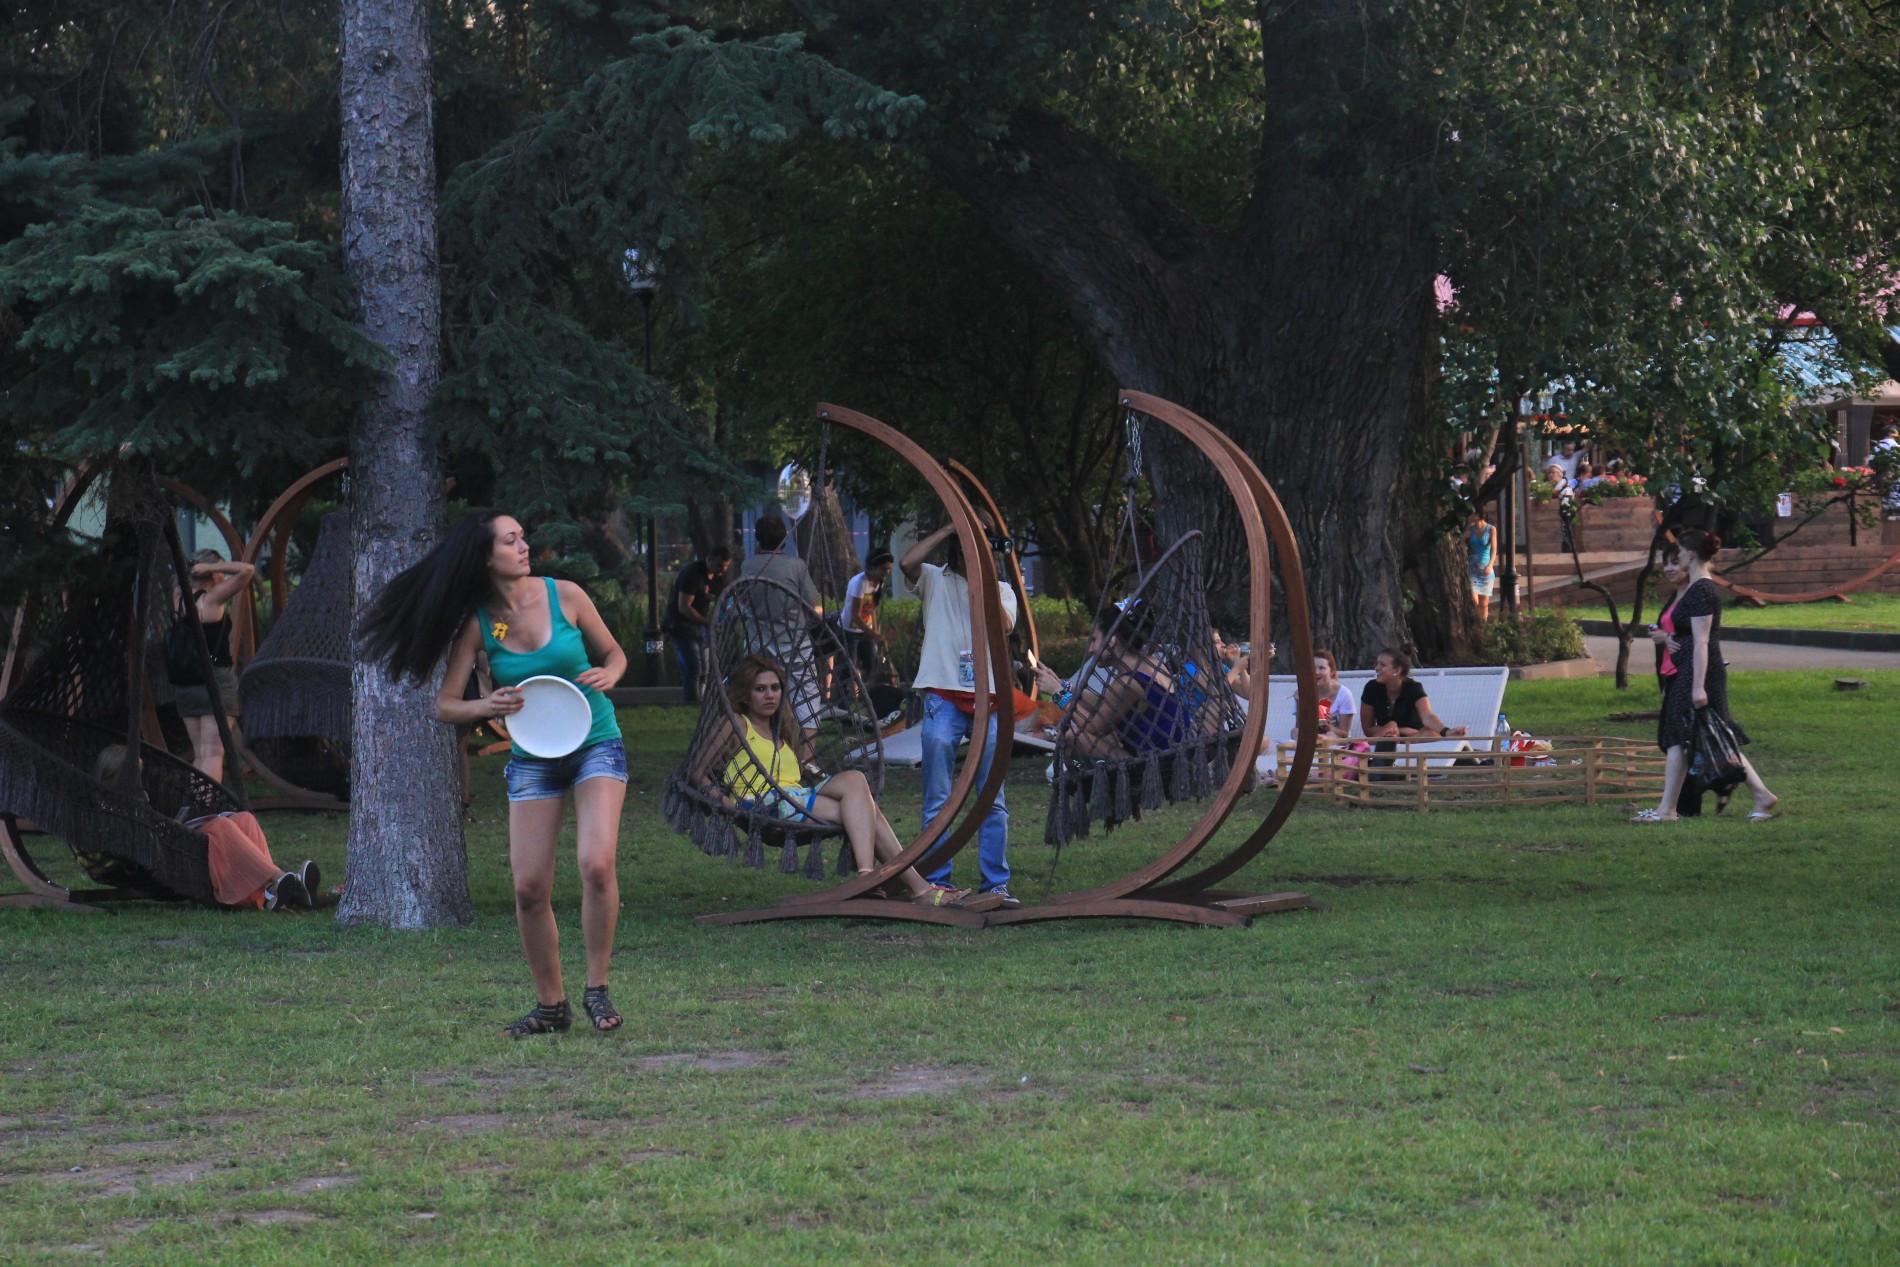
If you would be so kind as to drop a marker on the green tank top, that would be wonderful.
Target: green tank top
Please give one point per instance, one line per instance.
(565, 656)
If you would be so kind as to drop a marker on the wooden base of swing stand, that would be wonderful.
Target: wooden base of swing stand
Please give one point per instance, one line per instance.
(849, 908)
(1215, 908)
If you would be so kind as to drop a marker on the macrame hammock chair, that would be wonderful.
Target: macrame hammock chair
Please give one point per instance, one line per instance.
(87, 691)
(296, 689)
(721, 795)
(1151, 720)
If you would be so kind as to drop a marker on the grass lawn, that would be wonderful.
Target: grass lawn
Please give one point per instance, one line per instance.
(1877, 612)
(1512, 1037)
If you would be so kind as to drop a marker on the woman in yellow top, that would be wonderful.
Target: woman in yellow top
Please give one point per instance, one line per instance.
(770, 778)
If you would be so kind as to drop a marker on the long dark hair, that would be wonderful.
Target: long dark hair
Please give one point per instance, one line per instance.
(412, 622)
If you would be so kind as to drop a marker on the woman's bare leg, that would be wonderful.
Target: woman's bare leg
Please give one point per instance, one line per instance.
(533, 827)
(597, 805)
(1675, 770)
(847, 798)
(207, 747)
(1764, 799)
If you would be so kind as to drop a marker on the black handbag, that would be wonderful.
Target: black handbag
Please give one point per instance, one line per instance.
(1716, 756)
(182, 666)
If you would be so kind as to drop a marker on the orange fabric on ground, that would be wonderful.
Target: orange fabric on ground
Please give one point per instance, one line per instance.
(241, 866)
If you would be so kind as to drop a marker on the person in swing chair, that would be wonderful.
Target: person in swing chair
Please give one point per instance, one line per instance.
(766, 770)
(946, 674)
(1140, 710)
(477, 592)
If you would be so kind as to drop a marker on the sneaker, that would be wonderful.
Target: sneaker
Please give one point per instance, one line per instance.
(312, 880)
(287, 893)
(1004, 898)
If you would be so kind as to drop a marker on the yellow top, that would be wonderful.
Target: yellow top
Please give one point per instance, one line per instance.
(778, 760)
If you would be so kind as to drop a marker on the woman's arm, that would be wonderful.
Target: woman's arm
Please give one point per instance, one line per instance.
(1429, 723)
(1698, 685)
(450, 706)
(610, 660)
(1369, 722)
(236, 577)
(1099, 736)
(718, 750)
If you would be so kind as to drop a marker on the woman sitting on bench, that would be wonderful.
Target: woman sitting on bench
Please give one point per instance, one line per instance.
(771, 781)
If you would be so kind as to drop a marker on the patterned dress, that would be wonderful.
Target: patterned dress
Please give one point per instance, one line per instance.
(1677, 723)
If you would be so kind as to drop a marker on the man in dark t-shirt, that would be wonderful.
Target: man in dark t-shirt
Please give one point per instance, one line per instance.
(689, 609)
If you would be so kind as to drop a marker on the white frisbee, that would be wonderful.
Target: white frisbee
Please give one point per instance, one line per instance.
(554, 718)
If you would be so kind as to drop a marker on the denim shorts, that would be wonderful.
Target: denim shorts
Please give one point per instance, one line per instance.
(545, 778)
(789, 801)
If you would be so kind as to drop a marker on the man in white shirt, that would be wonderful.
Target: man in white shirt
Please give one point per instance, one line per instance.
(946, 674)
(1566, 460)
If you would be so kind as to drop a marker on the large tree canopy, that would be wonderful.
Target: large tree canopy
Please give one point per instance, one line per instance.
(1245, 207)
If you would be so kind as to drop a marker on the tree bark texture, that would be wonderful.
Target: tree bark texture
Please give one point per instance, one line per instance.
(407, 860)
(1305, 332)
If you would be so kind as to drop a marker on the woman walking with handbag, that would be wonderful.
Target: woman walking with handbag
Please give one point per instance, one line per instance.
(1697, 680)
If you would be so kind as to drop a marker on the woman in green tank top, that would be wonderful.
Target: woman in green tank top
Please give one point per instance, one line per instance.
(477, 592)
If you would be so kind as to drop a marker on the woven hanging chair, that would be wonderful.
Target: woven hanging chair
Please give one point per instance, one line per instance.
(87, 692)
(1152, 720)
(704, 797)
(296, 689)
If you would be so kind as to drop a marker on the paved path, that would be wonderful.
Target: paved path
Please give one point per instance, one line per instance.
(1752, 655)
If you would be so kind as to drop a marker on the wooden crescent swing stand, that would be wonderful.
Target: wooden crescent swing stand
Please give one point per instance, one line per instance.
(1153, 891)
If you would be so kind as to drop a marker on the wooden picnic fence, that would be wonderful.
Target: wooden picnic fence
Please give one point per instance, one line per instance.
(1579, 769)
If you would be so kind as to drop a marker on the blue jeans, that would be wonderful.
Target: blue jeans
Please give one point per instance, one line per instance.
(945, 727)
(690, 647)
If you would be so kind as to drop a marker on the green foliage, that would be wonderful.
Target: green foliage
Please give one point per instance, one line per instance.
(540, 376)
(186, 333)
(1535, 637)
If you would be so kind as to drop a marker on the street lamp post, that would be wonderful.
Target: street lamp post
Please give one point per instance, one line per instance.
(643, 278)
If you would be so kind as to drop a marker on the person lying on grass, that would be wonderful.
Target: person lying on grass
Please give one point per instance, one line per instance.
(765, 771)
(243, 874)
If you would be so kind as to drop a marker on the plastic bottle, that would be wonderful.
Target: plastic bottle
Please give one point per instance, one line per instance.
(1504, 727)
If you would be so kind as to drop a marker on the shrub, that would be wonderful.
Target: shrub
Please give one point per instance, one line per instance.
(1533, 638)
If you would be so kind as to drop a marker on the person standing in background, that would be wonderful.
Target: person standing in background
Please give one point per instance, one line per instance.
(689, 613)
(862, 596)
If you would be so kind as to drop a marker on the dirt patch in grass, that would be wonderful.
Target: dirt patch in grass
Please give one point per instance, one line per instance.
(1555, 846)
(464, 1124)
(321, 1183)
(918, 1080)
(125, 1181)
(708, 1061)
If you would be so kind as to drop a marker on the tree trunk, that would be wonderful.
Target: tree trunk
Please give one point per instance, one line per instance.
(824, 541)
(407, 864)
(1305, 334)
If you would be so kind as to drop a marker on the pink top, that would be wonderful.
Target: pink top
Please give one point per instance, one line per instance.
(1668, 623)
